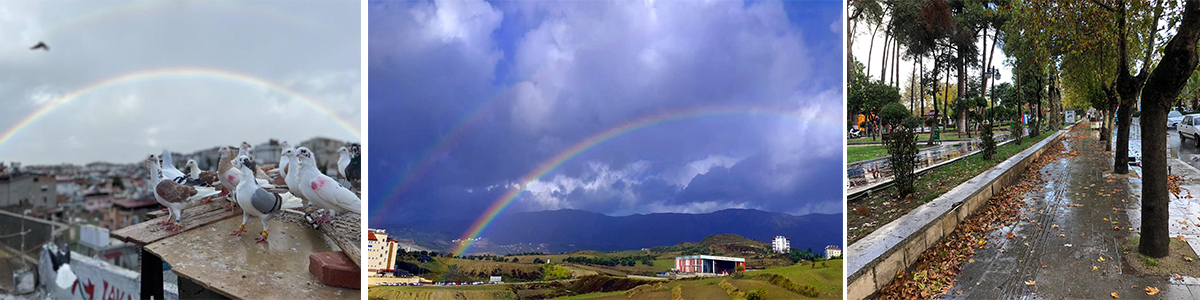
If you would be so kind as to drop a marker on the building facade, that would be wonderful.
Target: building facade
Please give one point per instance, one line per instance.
(832, 251)
(781, 244)
(708, 264)
(381, 252)
(28, 191)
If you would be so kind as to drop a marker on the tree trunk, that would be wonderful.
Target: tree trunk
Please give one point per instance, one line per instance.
(912, 84)
(896, 64)
(871, 48)
(1056, 113)
(936, 111)
(887, 41)
(1162, 86)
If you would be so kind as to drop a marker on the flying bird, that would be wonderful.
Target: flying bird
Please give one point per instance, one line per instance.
(176, 197)
(323, 190)
(256, 201)
(40, 45)
(200, 178)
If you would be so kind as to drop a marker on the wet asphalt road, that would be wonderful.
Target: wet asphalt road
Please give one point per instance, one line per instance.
(1065, 228)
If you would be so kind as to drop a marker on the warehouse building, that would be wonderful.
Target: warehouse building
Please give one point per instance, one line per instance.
(707, 264)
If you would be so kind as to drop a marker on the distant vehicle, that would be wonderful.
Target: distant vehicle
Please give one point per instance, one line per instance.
(1187, 129)
(1173, 118)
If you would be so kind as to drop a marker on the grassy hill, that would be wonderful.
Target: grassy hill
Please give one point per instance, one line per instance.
(825, 277)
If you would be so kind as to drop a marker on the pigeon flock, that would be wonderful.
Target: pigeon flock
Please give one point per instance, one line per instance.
(260, 193)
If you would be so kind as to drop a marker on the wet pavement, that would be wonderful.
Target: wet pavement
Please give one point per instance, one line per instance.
(1065, 242)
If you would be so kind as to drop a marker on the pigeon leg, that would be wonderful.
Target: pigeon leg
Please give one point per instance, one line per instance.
(263, 239)
(206, 200)
(243, 227)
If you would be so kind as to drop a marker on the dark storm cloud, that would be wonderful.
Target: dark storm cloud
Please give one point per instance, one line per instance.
(550, 75)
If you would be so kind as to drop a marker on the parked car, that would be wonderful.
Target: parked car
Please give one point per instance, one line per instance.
(1173, 118)
(1188, 130)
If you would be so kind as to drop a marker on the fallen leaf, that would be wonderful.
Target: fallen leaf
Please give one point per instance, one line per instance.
(1094, 268)
(1100, 259)
(1114, 295)
(1151, 290)
(1031, 282)
(1011, 235)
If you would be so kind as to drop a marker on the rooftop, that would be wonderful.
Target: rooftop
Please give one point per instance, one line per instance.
(710, 257)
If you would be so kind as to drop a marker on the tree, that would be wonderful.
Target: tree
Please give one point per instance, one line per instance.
(1162, 86)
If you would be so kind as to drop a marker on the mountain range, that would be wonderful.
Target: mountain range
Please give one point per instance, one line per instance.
(571, 230)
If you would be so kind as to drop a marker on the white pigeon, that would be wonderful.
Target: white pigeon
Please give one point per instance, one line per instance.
(292, 179)
(284, 161)
(256, 201)
(197, 177)
(343, 161)
(176, 197)
(169, 170)
(323, 190)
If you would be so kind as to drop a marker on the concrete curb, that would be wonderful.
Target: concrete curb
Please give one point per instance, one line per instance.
(875, 259)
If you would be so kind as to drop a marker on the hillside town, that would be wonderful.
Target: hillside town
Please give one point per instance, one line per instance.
(78, 206)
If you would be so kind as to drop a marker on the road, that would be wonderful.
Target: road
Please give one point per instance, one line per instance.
(1066, 227)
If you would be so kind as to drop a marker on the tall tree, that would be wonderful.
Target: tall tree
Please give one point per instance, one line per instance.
(1162, 86)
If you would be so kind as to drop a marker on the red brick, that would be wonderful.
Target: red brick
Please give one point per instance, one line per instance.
(335, 269)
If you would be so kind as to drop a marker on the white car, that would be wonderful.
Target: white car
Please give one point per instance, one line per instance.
(1173, 118)
(1188, 130)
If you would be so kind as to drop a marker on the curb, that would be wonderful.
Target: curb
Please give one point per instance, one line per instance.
(875, 259)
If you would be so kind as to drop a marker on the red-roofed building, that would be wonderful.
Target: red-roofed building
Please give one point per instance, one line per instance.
(832, 251)
(126, 212)
(381, 253)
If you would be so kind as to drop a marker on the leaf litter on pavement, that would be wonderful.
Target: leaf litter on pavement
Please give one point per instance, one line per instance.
(940, 265)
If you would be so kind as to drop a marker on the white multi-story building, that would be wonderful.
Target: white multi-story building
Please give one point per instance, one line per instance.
(831, 251)
(781, 244)
(381, 252)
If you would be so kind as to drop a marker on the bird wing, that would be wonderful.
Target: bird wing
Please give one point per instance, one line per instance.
(266, 202)
(209, 177)
(328, 189)
(173, 192)
(354, 170)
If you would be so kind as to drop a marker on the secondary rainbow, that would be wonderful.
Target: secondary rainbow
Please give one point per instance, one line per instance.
(549, 165)
(168, 72)
(409, 176)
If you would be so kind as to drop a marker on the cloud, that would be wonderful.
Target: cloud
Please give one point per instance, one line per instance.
(310, 47)
(486, 100)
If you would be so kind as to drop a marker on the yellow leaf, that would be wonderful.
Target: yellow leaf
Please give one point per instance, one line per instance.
(1095, 268)
(1100, 259)
(1031, 282)
(1114, 295)
(1151, 290)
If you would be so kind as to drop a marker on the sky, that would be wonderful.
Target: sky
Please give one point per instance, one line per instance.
(211, 73)
(862, 50)
(468, 97)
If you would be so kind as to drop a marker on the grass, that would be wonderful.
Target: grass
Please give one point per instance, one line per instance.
(946, 135)
(827, 280)
(861, 153)
(486, 292)
(1175, 263)
(885, 206)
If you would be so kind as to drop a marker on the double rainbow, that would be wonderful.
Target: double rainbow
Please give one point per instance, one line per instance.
(545, 167)
(172, 72)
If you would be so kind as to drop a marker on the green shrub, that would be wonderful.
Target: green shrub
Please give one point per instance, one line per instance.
(902, 150)
(989, 143)
(757, 294)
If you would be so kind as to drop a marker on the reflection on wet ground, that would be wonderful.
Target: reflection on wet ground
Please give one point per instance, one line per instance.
(867, 173)
(1065, 243)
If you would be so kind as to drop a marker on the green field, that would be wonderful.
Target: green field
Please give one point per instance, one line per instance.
(826, 278)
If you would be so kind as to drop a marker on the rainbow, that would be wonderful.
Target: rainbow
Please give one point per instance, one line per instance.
(171, 72)
(442, 145)
(549, 165)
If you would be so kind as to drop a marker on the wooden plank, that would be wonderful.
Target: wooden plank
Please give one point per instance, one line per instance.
(195, 217)
(240, 268)
(344, 231)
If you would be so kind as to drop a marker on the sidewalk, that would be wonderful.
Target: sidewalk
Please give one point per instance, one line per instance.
(1065, 228)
